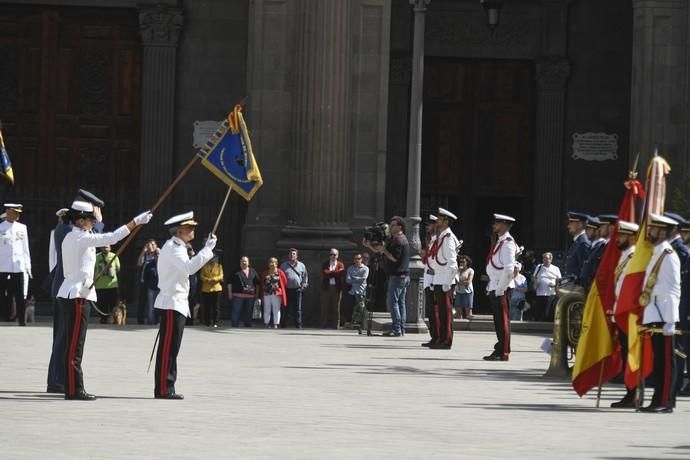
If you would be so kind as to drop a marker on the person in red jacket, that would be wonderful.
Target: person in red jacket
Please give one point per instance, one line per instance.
(272, 292)
(332, 283)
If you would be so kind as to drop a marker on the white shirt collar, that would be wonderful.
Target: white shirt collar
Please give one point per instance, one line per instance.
(578, 235)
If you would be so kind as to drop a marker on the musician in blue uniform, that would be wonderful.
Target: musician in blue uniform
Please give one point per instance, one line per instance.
(580, 246)
(589, 269)
(678, 245)
(685, 308)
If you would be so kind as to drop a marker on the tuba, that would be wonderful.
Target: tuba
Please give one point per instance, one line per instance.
(567, 326)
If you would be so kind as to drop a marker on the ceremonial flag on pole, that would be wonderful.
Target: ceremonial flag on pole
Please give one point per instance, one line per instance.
(5, 164)
(228, 154)
(629, 311)
(598, 357)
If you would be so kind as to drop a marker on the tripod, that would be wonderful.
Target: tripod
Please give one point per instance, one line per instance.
(372, 283)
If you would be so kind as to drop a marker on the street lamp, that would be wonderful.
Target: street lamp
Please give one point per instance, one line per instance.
(493, 12)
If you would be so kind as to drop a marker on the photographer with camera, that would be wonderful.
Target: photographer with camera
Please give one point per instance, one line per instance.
(396, 251)
(444, 262)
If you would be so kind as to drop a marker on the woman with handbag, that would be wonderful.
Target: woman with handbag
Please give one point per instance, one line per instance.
(244, 285)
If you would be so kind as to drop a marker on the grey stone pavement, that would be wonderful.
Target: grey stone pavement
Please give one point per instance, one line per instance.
(257, 393)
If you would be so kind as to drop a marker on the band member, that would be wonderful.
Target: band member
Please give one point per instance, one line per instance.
(428, 251)
(685, 308)
(174, 269)
(591, 265)
(625, 241)
(76, 293)
(15, 262)
(579, 249)
(500, 264)
(660, 298)
(444, 263)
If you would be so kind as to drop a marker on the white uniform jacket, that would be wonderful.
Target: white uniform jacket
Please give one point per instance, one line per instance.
(79, 259)
(428, 277)
(444, 260)
(501, 263)
(14, 248)
(624, 258)
(174, 269)
(665, 297)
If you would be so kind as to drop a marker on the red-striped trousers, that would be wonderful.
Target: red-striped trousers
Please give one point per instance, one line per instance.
(169, 340)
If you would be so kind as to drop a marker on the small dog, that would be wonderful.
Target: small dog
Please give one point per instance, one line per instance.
(119, 314)
(29, 310)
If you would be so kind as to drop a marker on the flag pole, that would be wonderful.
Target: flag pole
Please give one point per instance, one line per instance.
(222, 208)
(601, 377)
(134, 232)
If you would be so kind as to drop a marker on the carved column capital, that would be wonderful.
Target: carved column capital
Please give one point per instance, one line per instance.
(160, 25)
(552, 73)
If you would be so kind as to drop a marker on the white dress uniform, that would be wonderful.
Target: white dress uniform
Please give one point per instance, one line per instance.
(619, 273)
(444, 261)
(14, 248)
(501, 263)
(174, 269)
(15, 265)
(665, 296)
(79, 260)
(428, 272)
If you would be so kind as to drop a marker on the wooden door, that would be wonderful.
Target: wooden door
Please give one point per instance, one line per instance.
(70, 104)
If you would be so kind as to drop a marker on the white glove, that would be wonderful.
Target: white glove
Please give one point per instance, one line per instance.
(669, 328)
(498, 293)
(445, 287)
(143, 218)
(84, 292)
(211, 241)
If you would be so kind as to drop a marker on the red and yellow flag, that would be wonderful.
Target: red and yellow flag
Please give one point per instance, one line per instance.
(629, 311)
(598, 357)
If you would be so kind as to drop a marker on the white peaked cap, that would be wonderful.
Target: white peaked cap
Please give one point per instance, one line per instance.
(186, 218)
(504, 218)
(447, 213)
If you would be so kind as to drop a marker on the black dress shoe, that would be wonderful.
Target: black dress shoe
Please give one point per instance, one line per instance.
(657, 409)
(427, 344)
(440, 346)
(56, 389)
(495, 358)
(81, 396)
(170, 396)
(624, 403)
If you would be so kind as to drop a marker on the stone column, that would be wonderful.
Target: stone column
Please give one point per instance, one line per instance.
(659, 110)
(319, 187)
(160, 29)
(552, 75)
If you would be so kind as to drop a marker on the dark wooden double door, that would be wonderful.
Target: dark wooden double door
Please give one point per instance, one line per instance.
(70, 83)
(478, 144)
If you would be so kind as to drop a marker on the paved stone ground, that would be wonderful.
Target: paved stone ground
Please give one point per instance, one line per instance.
(315, 394)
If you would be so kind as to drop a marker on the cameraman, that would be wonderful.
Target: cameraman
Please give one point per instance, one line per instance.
(397, 260)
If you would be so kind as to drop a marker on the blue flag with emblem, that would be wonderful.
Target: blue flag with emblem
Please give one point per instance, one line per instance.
(228, 154)
(5, 164)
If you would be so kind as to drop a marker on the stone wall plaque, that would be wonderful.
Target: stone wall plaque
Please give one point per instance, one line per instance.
(595, 146)
(203, 130)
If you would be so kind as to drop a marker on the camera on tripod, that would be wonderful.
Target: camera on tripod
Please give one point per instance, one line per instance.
(377, 233)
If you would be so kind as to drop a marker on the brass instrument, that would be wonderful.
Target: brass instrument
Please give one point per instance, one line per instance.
(567, 326)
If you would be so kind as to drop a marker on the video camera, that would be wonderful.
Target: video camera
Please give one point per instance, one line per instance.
(377, 233)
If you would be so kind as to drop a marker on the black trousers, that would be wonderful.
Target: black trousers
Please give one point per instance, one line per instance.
(664, 372)
(500, 309)
(444, 315)
(169, 341)
(56, 367)
(431, 312)
(76, 322)
(13, 284)
(210, 307)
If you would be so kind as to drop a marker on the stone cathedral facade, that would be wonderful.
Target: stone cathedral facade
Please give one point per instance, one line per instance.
(545, 113)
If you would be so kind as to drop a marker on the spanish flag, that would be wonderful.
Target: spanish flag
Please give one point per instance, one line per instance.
(228, 154)
(629, 311)
(5, 164)
(598, 354)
